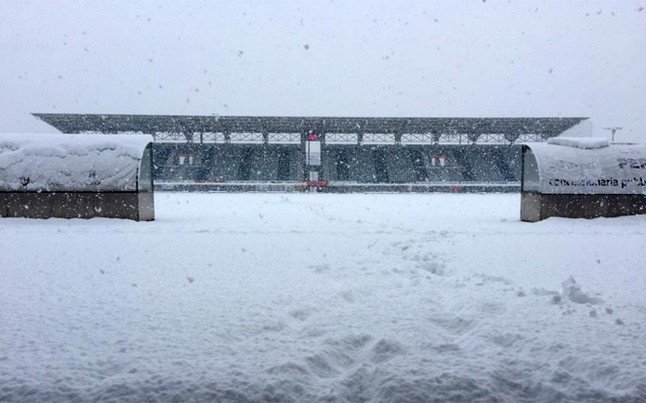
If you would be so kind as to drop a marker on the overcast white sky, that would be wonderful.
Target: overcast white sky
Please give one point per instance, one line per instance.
(352, 58)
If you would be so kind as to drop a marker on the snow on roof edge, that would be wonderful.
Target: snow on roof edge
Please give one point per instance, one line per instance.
(585, 143)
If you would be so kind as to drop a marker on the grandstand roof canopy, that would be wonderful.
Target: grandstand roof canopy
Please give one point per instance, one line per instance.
(508, 128)
(76, 123)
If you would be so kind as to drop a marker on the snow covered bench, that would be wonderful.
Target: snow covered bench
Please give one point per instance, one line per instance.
(582, 178)
(76, 176)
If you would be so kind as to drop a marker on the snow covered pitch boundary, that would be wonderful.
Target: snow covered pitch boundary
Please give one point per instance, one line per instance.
(310, 297)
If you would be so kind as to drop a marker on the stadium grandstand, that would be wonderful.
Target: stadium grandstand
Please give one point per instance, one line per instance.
(239, 153)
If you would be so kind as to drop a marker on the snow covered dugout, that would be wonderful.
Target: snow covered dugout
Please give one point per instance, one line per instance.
(582, 178)
(76, 176)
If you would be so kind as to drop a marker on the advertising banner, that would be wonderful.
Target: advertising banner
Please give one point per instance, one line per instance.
(558, 169)
(313, 153)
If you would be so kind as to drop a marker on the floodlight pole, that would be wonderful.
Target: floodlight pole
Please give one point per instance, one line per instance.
(613, 130)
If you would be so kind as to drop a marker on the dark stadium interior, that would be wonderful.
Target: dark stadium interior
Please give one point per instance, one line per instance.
(361, 164)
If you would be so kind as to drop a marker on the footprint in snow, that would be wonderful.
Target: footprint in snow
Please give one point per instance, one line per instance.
(322, 268)
(302, 314)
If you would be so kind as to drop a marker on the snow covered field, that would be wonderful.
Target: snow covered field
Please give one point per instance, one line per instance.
(378, 297)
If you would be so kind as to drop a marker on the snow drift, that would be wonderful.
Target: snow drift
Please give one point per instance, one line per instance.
(67, 162)
(318, 297)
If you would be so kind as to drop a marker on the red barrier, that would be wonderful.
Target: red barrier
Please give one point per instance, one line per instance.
(320, 184)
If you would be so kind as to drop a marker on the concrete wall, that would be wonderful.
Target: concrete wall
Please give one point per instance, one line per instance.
(536, 207)
(130, 205)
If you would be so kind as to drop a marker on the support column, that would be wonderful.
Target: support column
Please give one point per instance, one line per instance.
(436, 137)
(313, 147)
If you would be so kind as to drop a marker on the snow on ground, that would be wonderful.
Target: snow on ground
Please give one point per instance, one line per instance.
(358, 297)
